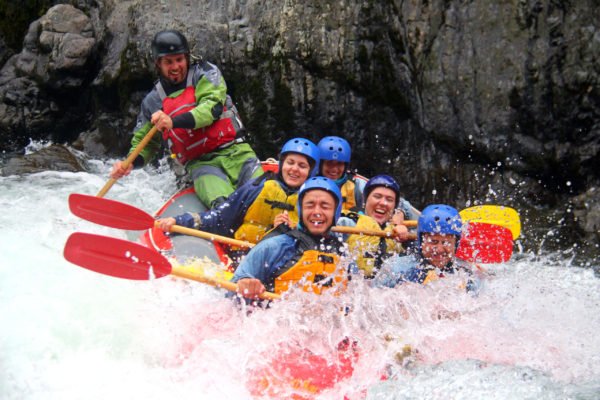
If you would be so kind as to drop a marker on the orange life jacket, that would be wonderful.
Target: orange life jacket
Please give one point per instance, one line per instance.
(314, 272)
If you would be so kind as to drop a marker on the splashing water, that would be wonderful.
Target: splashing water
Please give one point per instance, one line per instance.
(69, 333)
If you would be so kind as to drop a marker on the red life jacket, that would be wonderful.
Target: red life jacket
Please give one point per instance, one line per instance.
(188, 144)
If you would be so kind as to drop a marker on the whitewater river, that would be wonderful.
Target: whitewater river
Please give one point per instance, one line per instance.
(68, 333)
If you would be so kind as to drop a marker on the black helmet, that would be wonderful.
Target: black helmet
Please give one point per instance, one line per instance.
(169, 42)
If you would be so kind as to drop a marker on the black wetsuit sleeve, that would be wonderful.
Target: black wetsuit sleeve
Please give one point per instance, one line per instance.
(185, 121)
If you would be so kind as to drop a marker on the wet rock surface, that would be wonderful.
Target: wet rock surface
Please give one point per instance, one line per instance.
(52, 158)
(491, 102)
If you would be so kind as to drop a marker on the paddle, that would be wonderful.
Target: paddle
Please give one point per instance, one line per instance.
(352, 230)
(496, 215)
(124, 216)
(482, 242)
(130, 158)
(485, 243)
(128, 260)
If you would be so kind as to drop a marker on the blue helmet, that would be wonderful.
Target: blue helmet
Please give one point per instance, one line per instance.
(335, 148)
(439, 218)
(322, 183)
(304, 147)
(384, 181)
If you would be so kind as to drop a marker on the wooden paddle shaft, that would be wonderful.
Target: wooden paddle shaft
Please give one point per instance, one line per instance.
(136, 152)
(216, 282)
(209, 236)
(240, 243)
(358, 231)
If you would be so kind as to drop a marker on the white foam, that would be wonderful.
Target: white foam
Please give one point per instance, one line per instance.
(68, 333)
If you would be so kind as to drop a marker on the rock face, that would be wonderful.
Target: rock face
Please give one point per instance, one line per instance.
(495, 101)
(54, 158)
(43, 88)
(587, 210)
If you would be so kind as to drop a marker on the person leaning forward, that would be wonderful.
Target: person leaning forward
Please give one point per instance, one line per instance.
(199, 123)
(438, 235)
(261, 204)
(382, 199)
(307, 256)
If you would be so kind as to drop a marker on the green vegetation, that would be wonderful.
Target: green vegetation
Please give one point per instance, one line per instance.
(250, 97)
(265, 106)
(283, 108)
(133, 75)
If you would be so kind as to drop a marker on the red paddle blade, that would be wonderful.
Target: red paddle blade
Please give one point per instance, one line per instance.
(485, 243)
(115, 257)
(109, 212)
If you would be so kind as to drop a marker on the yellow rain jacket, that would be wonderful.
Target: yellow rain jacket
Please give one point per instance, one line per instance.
(271, 201)
(348, 196)
(371, 251)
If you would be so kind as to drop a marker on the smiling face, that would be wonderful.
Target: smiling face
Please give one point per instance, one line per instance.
(295, 169)
(438, 249)
(318, 211)
(173, 67)
(333, 169)
(380, 204)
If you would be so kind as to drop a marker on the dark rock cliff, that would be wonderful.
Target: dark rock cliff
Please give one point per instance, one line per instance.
(462, 101)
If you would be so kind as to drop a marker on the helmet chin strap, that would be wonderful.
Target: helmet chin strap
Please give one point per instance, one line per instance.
(169, 85)
(343, 179)
(165, 79)
(173, 83)
(449, 267)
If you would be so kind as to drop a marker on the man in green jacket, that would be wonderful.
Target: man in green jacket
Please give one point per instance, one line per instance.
(199, 123)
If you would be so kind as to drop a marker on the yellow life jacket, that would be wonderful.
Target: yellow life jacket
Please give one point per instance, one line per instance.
(314, 272)
(367, 249)
(431, 276)
(348, 199)
(271, 201)
(352, 196)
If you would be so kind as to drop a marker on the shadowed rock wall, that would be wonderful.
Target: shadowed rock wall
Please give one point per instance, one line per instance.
(461, 101)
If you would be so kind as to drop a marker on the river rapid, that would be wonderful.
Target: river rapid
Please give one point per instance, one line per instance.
(68, 333)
